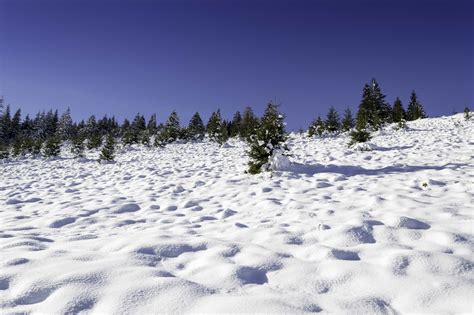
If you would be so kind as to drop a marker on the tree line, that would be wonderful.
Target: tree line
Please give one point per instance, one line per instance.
(44, 134)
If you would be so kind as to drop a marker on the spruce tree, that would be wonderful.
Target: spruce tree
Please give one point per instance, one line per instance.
(332, 122)
(361, 132)
(52, 147)
(269, 136)
(415, 109)
(65, 125)
(4, 151)
(223, 134)
(213, 126)
(248, 124)
(347, 121)
(15, 125)
(94, 141)
(398, 111)
(17, 148)
(467, 113)
(171, 130)
(77, 147)
(107, 154)
(151, 126)
(317, 127)
(196, 129)
(235, 125)
(5, 123)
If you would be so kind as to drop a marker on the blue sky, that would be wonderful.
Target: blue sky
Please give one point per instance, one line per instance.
(123, 57)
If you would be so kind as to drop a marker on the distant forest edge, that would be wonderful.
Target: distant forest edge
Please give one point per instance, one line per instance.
(44, 134)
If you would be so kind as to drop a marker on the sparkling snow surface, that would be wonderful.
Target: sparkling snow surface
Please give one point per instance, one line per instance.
(182, 229)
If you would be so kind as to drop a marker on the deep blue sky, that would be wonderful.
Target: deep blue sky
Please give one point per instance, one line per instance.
(123, 57)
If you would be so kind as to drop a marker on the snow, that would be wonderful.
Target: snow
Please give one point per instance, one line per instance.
(183, 229)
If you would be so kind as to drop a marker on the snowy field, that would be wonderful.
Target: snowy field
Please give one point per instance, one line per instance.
(182, 229)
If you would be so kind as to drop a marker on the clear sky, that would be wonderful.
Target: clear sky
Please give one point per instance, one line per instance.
(123, 57)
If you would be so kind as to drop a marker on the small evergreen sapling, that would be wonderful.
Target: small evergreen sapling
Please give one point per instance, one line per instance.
(78, 147)
(52, 147)
(467, 113)
(4, 151)
(107, 154)
(269, 136)
(361, 134)
(317, 127)
(347, 121)
(332, 120)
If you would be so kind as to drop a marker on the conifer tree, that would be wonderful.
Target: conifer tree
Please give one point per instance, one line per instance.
(317, 127)
(52, 147)
(152, 127)
(213, 126)
(467, 113)
(171, 130)
(17, 148)
(107, 154)
(332, 122)
(196, 129)
(223, 134)
(5, 123)
(361, 132)
(235, 125)
(77, 147)
(269, 136)
(248, 124)
(15, 125)
(398, 111)
(415, 109)
(94, 141)
(4, 151)
(347, 121)
(65, 125)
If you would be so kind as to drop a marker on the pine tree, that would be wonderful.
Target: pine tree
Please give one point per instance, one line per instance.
(467, 113)
(15, 125)
(5, 123)
(248, 124)
(17, 148)
(152, 127)
(398, 111)
(223, 134)
(4, 151)
(108, 151)
(347, 121)
(415, 109)
(317, 127)
(171, 130)
(332, 122)
(269, 136)
(94, 141)
(213, 126)
(52, 147)
(77, 147)
(196, 129)
(235, 125)
(65, 125)
(361, 133)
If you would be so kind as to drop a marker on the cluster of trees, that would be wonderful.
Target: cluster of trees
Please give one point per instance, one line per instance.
(45, 133)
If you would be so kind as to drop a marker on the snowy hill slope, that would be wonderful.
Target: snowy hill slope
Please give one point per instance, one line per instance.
(183, 229)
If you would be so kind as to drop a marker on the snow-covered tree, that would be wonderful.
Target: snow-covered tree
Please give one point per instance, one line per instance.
(269, 136)
(52, 147)
(107, 154)
(213, 126)
(415, 109)
(65, 126)
(171, 131)
(467, 113)
(77, 147)
(317, 127)
(332, 122)
(235, 125)
(248, 124)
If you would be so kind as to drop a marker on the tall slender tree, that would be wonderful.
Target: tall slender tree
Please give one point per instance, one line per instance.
(398, 111)
(415, 109)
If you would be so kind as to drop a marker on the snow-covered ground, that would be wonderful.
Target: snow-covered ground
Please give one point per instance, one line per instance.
(183, 229)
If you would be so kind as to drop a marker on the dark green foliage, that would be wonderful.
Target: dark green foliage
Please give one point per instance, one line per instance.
(317, 127)
(235, 125)
(171, 131)
(52, 147)
(467, 113)
(213, 126)
(65, 126)
(94, 141)
(17, 148)
(359, 136)
(5, 122)
(107, 154)
(332, 122)
(347, 121)
(152, 126)
(4, 151)
(37, 146)
(415, 109)
(77, 147)
(248, 124)
(270, 135)
(398, 113)
(196, 129)
(374, 111)
(223, 134)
